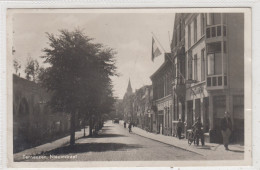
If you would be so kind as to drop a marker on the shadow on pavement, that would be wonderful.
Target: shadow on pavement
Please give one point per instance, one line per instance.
(232, 150)
(109, 135)
(91, 147)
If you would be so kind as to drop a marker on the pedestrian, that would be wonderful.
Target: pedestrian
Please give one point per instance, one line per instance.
(130, 127)
(179, 128)
(124, 124)
(226, 129)
(198, 133)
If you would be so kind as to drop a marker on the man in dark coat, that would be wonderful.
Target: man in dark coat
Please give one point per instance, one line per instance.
(179, 128)
(198, 131)
(226, 129)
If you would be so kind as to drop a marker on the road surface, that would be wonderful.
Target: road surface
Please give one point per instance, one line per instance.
(115, 143)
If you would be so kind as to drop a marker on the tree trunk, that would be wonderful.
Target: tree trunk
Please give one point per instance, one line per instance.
(90, 125)
(84, 127)
(72, 129)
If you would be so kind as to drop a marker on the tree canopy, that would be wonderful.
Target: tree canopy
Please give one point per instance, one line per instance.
(79, 75)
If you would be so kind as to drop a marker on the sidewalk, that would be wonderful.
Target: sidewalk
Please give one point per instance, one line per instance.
(210, 150)
(49, 146)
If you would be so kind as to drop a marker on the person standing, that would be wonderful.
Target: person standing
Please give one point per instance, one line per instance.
(198, 133)
(130, 127)
(226, 129)
(179, 128)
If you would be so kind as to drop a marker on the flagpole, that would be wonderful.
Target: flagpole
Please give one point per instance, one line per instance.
(171, 61)
(168, 55)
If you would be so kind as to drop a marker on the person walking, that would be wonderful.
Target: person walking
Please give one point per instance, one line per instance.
(124, 124)
(130, 127)
(198, 133)
(226, 129)
(179, 128)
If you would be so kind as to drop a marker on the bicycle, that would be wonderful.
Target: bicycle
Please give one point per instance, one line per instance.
(192, 138)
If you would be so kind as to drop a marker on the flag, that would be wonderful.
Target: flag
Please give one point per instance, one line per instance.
(155, 50)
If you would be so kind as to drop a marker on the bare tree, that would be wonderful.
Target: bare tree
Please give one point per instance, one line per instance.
(31, 69)
(17, 66)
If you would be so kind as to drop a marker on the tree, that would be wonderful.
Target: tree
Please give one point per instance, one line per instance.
(78, 70)
(17, 66)
(31, 69)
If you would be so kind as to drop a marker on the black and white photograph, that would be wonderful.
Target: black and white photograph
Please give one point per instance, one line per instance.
(129, 86)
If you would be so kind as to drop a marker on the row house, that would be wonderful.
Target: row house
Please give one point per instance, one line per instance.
(178, 74)
(162, 96)
(214, 60)
(203, 76)
(143, 116)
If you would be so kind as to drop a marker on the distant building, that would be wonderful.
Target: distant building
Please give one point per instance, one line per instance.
(142, 104)
(128, 103)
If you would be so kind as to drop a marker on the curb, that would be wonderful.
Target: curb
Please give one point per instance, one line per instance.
(170, 144)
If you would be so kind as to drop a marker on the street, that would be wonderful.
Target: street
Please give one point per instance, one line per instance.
(115, 143)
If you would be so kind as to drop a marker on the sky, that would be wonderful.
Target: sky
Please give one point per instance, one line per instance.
(129, 34)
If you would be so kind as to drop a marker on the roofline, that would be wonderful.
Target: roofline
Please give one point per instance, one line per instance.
(160, 68)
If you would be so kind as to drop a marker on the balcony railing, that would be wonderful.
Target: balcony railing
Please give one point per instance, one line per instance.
(216, 81)
(213, 31)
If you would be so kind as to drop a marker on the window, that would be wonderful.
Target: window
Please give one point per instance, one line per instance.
(202, 24)
(213, 19)
(202, 64)
(180, 31)
(190, 66)
(195, 30)
(195, 67)
(189, 36)
(211, 64)
(214, 64)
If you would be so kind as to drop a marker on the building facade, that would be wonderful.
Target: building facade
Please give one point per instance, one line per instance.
(214, 50)
(178, 61)
(162, 96)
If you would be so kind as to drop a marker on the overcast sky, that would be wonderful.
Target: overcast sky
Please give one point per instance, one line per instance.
(128, 33)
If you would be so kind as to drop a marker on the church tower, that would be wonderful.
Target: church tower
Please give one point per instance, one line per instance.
(129, 88)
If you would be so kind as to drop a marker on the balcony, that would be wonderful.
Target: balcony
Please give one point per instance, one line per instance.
(215, 32)
(216, 82)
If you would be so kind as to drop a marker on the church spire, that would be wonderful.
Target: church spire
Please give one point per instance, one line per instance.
(129, 88)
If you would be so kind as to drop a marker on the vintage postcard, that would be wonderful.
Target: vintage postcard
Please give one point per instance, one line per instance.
(129, 87)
